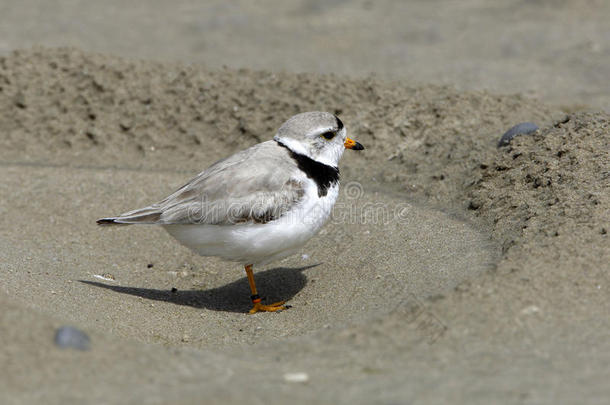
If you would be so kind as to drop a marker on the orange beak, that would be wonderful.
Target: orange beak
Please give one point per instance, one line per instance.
(351, 144)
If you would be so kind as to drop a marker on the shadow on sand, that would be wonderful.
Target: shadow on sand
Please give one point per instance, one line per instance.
(279, 284)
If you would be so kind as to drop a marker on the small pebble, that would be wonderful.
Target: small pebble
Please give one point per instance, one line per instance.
(125, 125)
(149, 266)
(304, 256)
(20, 100)
(105, 277)
(532, 309)
(174, 290)
(296, 377)
(523, 128)
(68, 337)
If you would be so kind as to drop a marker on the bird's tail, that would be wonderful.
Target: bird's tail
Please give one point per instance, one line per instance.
(146, 215)
(108, 221)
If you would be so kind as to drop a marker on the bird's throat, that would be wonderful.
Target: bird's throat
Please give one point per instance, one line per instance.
(325, 176)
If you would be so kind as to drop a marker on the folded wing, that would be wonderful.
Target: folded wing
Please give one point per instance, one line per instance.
(254, 185)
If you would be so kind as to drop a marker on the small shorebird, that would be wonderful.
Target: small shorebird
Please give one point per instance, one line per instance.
(261, 204)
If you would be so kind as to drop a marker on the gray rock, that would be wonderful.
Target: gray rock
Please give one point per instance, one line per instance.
(68, 337)
(523, 128)
(20, 100)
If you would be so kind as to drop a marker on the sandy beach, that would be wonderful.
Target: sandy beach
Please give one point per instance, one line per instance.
(452, 270)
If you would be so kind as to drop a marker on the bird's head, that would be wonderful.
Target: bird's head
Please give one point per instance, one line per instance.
(318, 135)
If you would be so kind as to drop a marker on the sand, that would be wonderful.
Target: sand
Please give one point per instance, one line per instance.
(485, 279)
(556, 51)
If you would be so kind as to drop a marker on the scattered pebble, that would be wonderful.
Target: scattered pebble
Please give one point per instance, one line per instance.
(20, 100)
(149, 266)
(105, 277)
(523, 128)
(125, 125)
(68, 337)
(304, 256)
(532, 309)
(296, 377)
(174, 290)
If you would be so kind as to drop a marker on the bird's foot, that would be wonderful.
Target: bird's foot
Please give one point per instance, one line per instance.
(275, 307)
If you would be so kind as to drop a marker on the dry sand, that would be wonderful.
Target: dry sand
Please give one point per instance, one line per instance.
(486, 281)
(557, 51)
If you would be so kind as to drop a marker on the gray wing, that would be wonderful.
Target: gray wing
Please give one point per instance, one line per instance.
(254, 185)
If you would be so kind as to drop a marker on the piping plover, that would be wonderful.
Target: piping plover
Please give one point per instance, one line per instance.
(260, 204)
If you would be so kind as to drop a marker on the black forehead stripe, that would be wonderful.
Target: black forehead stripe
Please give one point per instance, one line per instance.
(339, 124)
(325, 176)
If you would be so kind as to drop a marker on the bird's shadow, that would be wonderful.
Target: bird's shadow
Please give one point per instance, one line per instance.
(279, 284)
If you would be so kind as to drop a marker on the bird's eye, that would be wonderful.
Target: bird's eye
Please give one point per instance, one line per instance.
(328, 135)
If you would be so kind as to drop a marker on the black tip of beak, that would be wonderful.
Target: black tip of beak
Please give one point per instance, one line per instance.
(358, 146)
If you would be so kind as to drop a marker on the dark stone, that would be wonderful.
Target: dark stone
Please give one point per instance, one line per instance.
(68, 337)
(524, 128)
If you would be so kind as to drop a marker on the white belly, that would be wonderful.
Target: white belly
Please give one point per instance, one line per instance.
(252, 243)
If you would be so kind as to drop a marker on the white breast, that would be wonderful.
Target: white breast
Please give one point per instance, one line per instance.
(254, 243)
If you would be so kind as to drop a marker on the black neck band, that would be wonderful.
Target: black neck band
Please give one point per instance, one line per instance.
(324, 175)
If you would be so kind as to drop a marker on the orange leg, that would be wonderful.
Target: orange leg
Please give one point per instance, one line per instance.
(256, 299)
